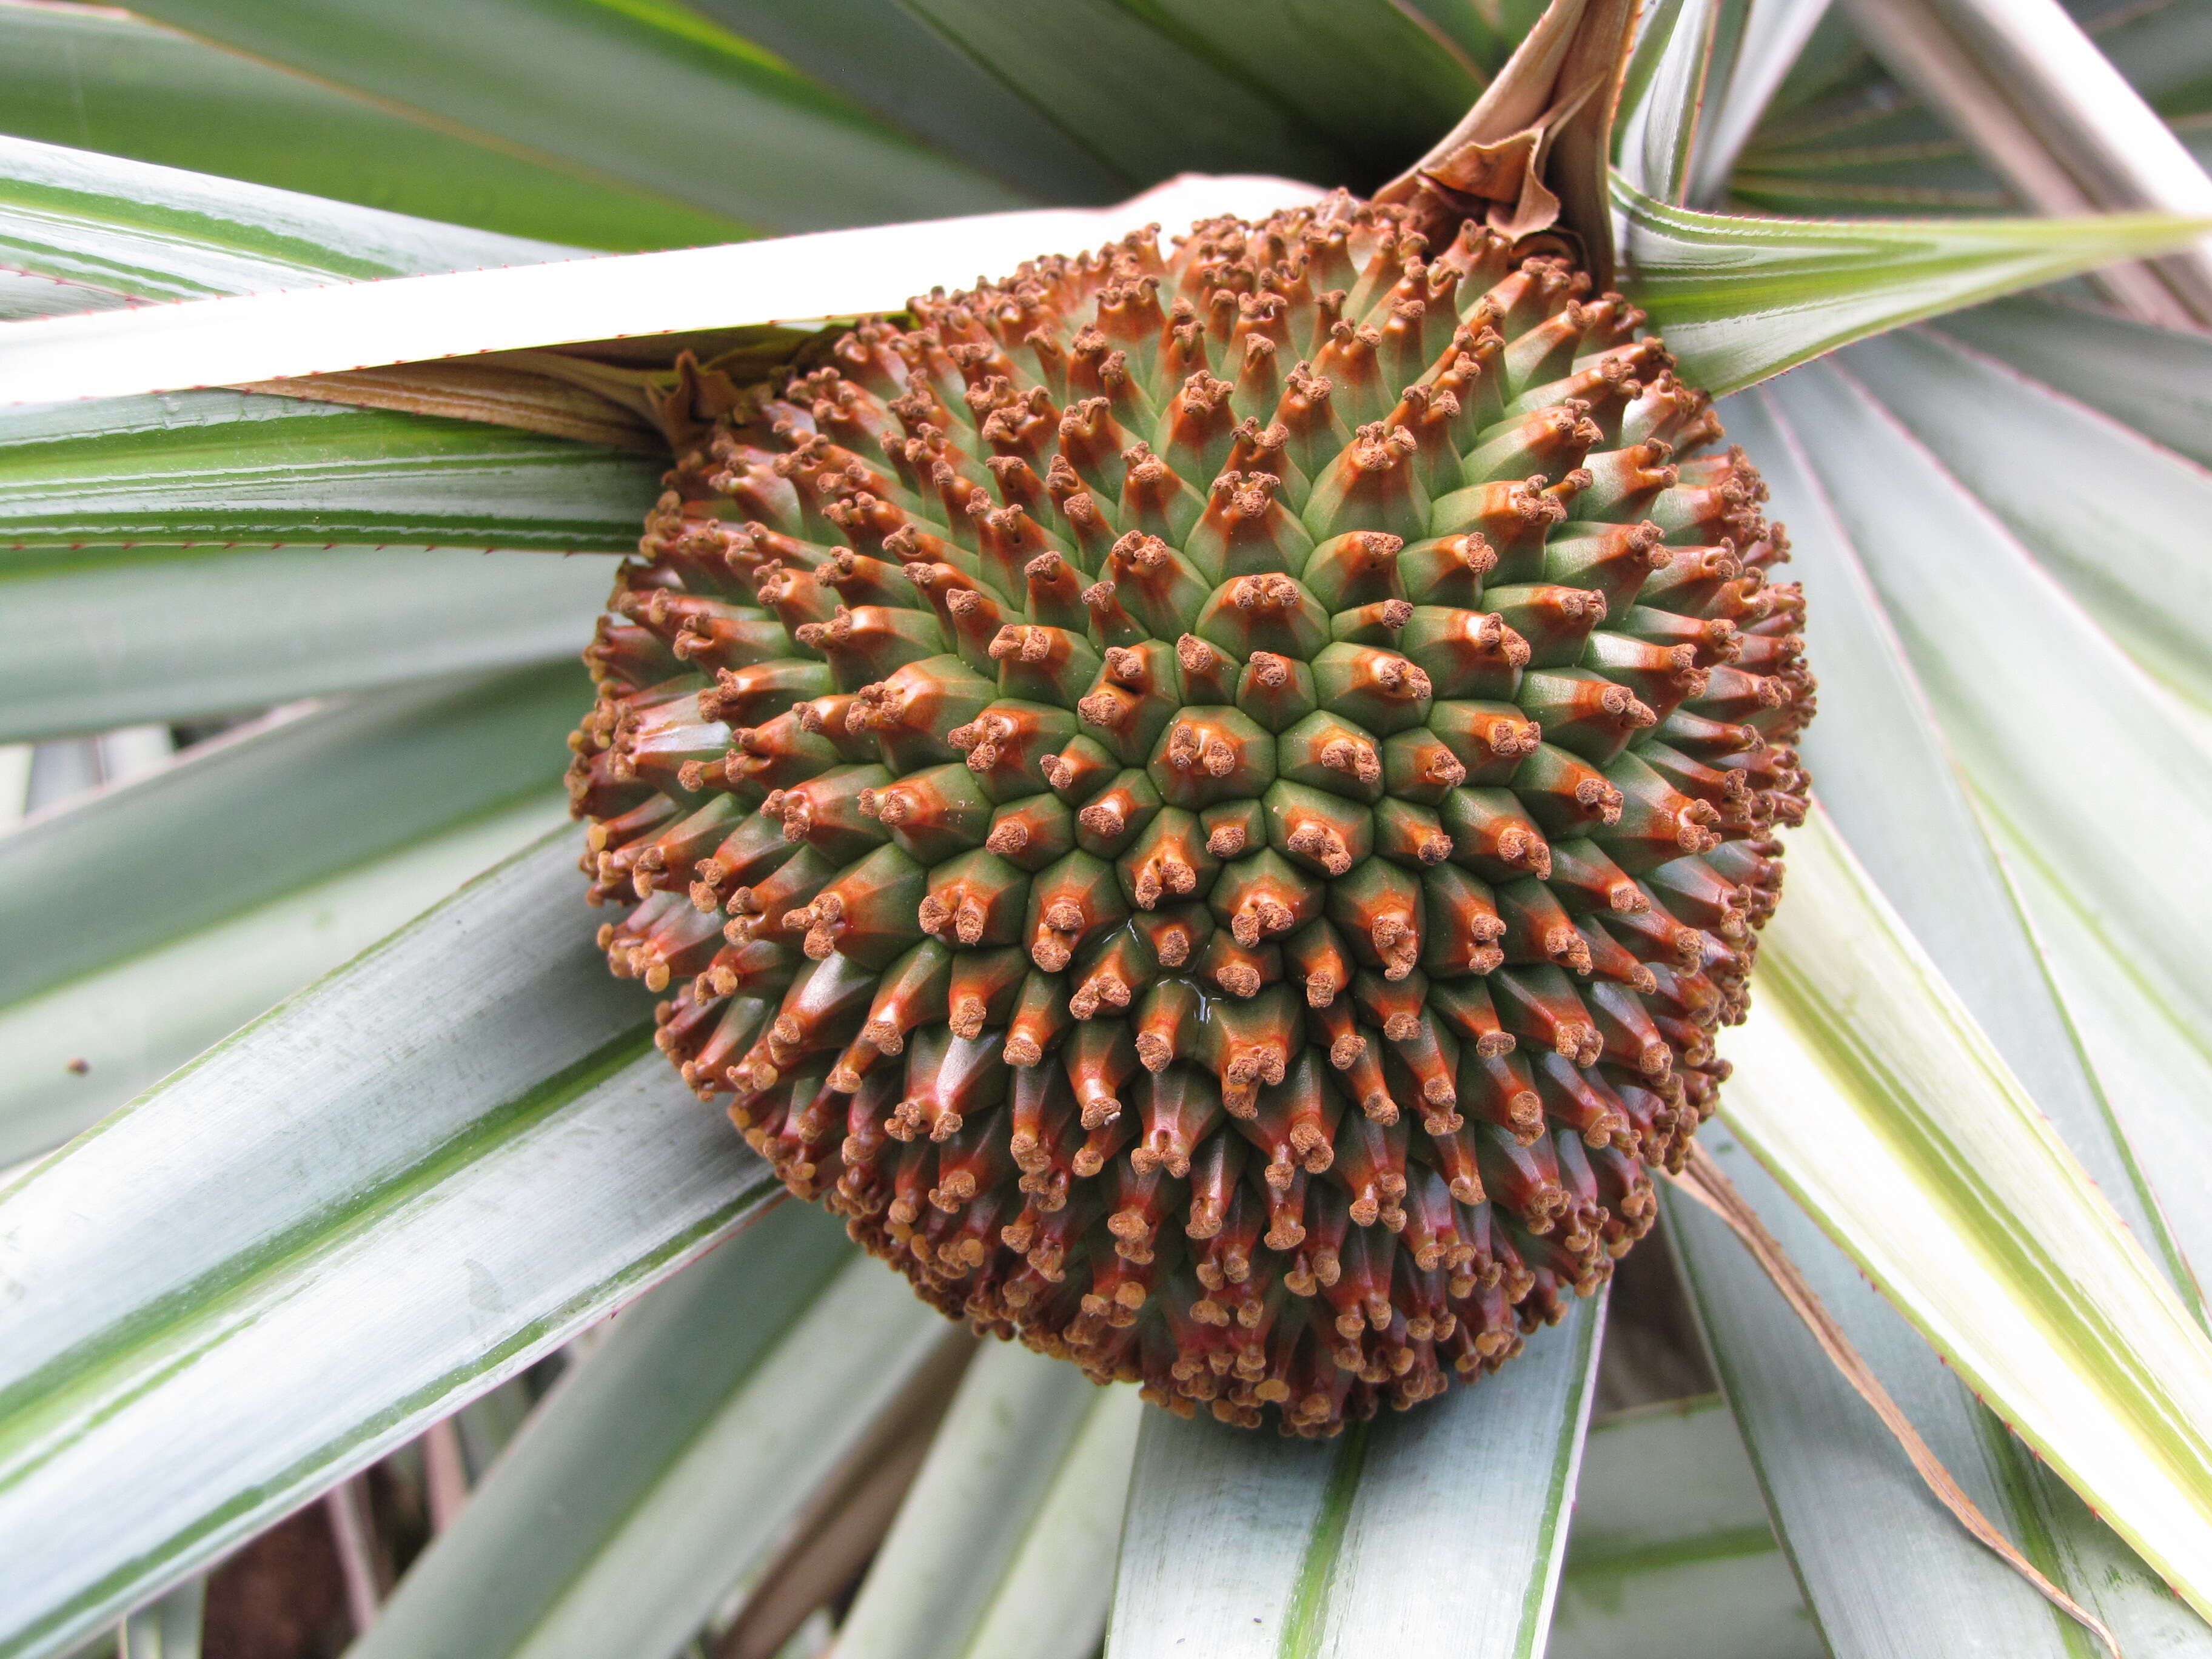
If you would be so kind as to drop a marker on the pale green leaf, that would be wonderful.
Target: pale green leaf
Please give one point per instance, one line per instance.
(2021, 83)
(1052, 1600)
(265, 337)
(1880, 761)
(1870, 1094)
(644, 94)
(2156, 1070)
(1116, 77)
(2104, 510)
(955, 1554)
(273, 807)
(1886, 1568)
(1670, 1556)
(1881, 764)
(414, 793)
(1660, 114)
(390, 1195)
(212, 632)
(1442, 1528)
(1842, 137)
(673, 1458)
(226, 467)
(103, 80)
(114, 229)
(15, 761)
(1774, 36)
(2157, 380)
(2053, 729)
(168, 1628)
(135, 589)
(1741, 299)
(80, 1050)
(882, 55)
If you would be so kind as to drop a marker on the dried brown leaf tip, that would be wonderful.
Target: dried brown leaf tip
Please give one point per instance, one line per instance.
(1211, 804)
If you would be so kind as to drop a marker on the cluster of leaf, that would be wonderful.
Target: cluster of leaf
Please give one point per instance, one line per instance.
(411, 1179)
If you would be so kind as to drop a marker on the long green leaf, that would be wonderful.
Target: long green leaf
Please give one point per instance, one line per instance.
(1853, 1511)
(1879, 762)
(2157, 380)
(1880, 765)
(882, 56)
(169, 1628)
(227, 467)
(388, 1196)
(2053, 729)
(1144, 103)
(416, 792)
(2103, 509)
(1739, 298)
(676, 1454)
(2020, 81)
(644, 93)
(106, 81)
(1774, 36)
(1842, 137)
(1372, 79)
(273, 808)
(1439, 1530)
(957, 1546)
(80, 1050)
(264, 336)
(85, 643)
(1670, 1556)
(1052, 1601)
(113, 227)
(2157, 1072)
(1667, 81)
(1871, 1095)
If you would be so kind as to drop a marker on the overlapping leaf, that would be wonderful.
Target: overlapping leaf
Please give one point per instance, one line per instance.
(267, 337)
(673, 1457)
(1883, 1109)
(1742, 298)
(645, 95)
(1670, 1555)
(416, 791)
(111, 82)
(99, 229)
(391, 1193)
(1441, 1530)
(1004, 1543)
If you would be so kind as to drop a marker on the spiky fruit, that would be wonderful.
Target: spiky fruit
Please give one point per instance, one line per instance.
(1211, 804)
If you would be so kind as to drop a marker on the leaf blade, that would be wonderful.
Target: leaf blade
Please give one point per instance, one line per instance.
(2011, 717)
(673, 1456)
(970, 1517)
(1342, 1544)
(2109, 545)
(1851, 1509)
(277, 336)
(227, 467)
(1874, 1099)
(115, 83)
(646, 94)
(1739, 298)
(1700, 1573)
(464, 1077)
(132, 229)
